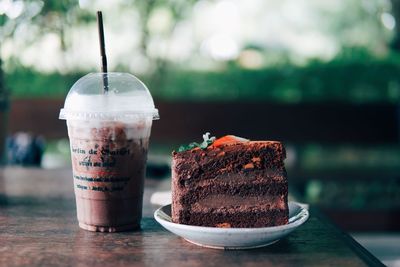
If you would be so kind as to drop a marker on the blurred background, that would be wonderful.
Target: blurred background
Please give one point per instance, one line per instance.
(321, 76)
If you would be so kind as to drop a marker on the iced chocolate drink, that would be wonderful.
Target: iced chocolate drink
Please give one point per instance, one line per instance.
(108, 152)
(108, 165)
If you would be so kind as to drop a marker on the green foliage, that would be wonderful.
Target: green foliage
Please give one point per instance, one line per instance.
(27, 83)
(64, 10)
(359, 81)
(348, 81)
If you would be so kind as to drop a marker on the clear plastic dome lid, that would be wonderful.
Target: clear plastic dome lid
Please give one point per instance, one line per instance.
(127, 98)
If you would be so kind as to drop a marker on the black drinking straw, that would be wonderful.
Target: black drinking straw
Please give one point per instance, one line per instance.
(102, 51)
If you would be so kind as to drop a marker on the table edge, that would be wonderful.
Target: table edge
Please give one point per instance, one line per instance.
(356, 247)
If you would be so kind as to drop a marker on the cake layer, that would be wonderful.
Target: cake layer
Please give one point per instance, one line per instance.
(239, 219)
(255, 176)
(233, 203)
(198, 164)
(195, 194)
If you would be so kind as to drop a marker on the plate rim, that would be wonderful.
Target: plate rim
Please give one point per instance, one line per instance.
(303, 218)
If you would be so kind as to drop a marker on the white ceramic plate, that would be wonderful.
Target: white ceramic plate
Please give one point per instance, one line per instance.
(232, 238)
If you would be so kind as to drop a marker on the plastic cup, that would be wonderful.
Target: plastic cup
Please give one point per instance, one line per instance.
(109, 135)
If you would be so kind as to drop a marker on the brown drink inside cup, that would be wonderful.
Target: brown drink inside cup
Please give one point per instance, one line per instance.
(108, 165)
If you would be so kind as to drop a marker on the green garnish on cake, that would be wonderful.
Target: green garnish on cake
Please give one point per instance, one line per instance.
(207, 140)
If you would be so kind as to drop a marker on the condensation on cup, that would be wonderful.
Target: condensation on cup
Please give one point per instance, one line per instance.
(109, 134)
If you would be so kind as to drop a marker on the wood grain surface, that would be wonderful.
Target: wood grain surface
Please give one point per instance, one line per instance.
(38, 227)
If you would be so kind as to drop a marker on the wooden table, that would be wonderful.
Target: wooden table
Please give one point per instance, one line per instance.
(38, 227)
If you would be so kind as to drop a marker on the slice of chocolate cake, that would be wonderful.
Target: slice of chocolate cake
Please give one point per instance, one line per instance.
(230, 182)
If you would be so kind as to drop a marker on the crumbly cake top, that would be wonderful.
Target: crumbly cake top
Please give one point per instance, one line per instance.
(212, 143)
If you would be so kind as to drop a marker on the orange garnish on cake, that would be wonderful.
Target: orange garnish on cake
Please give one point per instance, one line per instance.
(227, 139)
(212, 142)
